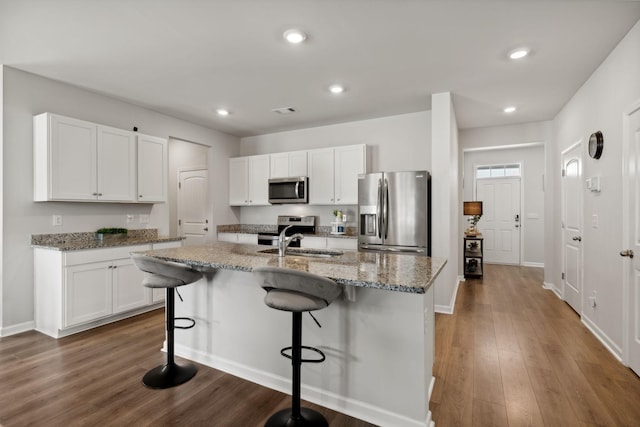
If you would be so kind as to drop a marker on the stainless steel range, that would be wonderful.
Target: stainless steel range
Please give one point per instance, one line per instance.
(299, 224)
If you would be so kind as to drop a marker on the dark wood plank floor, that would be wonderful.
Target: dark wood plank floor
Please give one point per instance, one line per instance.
(512, 354)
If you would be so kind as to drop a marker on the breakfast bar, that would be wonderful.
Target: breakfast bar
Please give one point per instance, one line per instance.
(378, 337)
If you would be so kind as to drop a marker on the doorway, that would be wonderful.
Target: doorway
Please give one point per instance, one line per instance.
(500, 222)
(631, 239)
(193, 206)
(572, 226)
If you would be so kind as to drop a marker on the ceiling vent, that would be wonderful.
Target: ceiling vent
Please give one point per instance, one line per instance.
(284, 110)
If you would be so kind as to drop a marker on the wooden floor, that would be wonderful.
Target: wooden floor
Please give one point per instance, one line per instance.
(512, 354)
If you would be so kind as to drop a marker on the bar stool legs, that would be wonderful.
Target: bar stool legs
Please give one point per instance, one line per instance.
(169, 374)
(296, 416)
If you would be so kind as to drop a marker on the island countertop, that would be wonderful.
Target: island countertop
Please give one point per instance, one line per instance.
(403, 273)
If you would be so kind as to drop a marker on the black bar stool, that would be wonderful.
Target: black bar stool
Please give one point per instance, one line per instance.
(168, 275)
(297, 292)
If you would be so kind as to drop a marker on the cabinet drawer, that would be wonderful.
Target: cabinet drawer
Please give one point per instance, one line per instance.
(102, 254)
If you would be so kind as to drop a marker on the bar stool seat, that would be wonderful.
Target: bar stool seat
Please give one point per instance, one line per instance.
(297, 292)
(168, 275)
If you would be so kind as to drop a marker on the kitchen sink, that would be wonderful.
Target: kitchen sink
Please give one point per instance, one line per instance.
(317, 253)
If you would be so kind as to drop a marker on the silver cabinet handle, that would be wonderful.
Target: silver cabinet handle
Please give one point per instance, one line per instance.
(577, 239)
(628, 252)
(206, 229)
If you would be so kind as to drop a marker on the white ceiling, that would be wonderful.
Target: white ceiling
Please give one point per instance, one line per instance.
(186, 58)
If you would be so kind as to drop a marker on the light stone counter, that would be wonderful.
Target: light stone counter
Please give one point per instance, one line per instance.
(404, 273)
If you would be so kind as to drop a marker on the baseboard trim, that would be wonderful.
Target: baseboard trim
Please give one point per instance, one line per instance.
(17, 329)
(351, 407)
(448, 309)
(551, 287)
(533, 264)
(603, 338)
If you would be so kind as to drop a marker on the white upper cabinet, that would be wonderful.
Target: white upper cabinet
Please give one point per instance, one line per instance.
(321, 177)
(75, 160)
(350, 161)
(116, 161)
(284, 165)
(333, 174)
(249, 180)
(152, 169)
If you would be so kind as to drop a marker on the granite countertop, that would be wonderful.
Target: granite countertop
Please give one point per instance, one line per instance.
(321, 230)
(403, 273)
(87, 240)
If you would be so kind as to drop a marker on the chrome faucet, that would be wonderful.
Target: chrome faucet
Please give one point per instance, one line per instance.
(284, 241)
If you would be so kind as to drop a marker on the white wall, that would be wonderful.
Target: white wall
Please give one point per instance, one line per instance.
(445, 199)
(394, 143)
(599, 105)
(513, 144)
(26, 95)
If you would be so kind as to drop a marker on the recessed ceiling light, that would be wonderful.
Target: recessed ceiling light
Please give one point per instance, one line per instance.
(509, 110)
(222, 112)
(519, 53)
(336, 89)
(294, 36)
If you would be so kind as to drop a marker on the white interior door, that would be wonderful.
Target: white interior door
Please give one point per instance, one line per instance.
(500, 222)
(193, 206)
(572, 226)
(632, 237)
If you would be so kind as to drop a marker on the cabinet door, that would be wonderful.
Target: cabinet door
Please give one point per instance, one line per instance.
(228, 237)
(248, 238)
(279, 165)
(128, 292)
(349, 163)
(259, 180)
(152, 169)
(239, 181)
(87, 293)
(73, 166)
(314, 242)
(298, 163)
(321, 177)
(116, 165)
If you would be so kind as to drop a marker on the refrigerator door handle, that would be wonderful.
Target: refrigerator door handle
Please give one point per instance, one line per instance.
(386, 208)
(379, 209)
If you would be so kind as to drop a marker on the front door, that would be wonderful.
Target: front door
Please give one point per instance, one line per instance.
(500, 222)
(631, 248)
(193, 206)
(572, 226)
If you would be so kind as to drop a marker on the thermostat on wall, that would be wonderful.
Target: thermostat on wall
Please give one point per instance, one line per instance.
(593, 184)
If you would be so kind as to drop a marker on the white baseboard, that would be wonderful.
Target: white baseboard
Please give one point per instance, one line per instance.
(603, 338)
(17, 329)
(351, 407)
(533, 264)
(448, 309)
(551, 287)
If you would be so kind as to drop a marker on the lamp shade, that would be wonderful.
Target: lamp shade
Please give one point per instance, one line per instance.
(472, 208)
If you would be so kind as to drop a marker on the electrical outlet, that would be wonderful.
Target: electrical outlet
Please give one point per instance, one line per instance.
(144, 219)
(592, 299)
(57, 221)
(131, 219)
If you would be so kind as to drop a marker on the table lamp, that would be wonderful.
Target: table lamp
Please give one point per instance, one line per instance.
(473, 209)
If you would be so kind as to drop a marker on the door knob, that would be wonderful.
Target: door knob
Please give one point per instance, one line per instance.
(577, 239)
(628, 252)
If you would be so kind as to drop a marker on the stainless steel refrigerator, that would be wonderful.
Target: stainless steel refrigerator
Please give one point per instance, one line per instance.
(394, 211)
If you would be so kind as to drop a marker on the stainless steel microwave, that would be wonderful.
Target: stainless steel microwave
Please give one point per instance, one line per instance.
(289, 190)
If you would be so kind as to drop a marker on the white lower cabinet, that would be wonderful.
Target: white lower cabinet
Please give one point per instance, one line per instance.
(79, 290)
(244, 238)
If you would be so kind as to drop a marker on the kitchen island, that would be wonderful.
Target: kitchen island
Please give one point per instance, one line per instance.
(378, 338)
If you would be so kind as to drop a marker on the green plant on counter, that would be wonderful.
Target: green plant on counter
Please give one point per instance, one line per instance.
(337, 213)
(112, 231)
